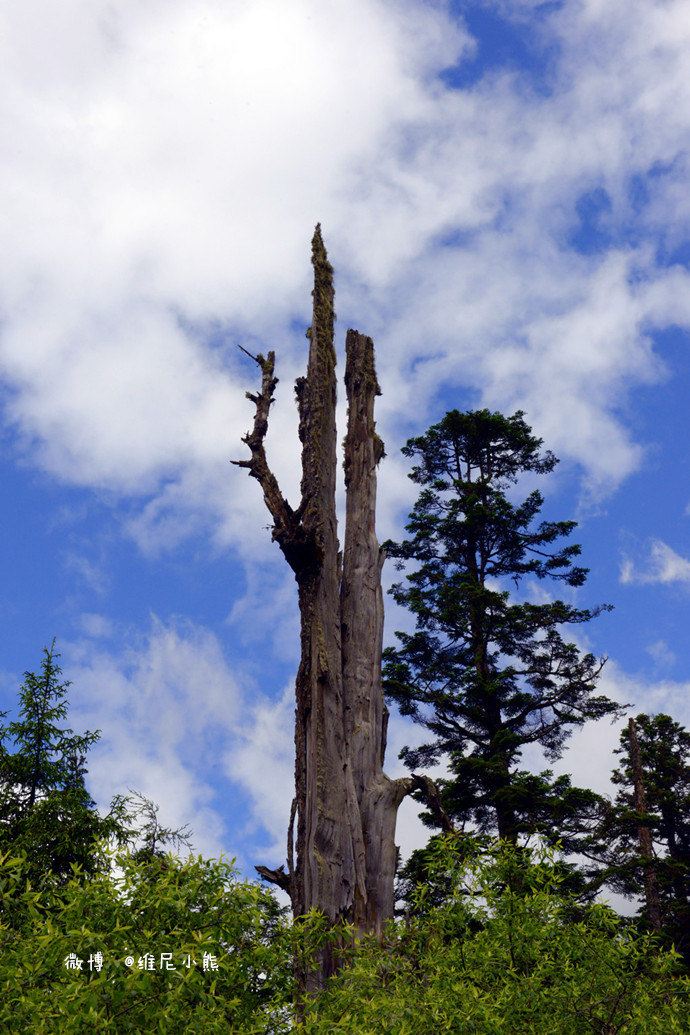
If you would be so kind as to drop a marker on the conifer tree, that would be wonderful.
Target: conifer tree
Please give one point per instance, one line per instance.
(45, 808)
(658, 759)
(486, 674)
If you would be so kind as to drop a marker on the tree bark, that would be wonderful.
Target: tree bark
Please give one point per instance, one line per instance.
(325, 871)
(644, 836)
(345, 805)
(361, 606)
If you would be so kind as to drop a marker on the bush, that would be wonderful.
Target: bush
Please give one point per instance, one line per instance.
(504, 950)
(159, 905)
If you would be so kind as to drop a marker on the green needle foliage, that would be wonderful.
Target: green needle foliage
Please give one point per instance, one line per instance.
(665, 765)
(45, 809)
(484, 674)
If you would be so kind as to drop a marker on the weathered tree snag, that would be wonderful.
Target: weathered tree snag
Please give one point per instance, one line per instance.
(361, 602)
(325, 872)
(644, 836)
(345, 805)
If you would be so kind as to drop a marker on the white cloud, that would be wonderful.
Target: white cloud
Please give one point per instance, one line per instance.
(589, 756)
(662, 653)
(164, 164)
(263, 762)
(266, 617)
(163, 182)
(166, 708)
(96, 625)
(663, 565)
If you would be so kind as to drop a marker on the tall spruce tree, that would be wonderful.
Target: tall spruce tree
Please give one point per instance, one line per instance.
(485, 674)
(45, 808)
(645, 835)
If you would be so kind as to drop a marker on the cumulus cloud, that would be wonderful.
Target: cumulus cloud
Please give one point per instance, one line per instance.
(166, 707)
(164, 164)
(662, 565)
(262, 760)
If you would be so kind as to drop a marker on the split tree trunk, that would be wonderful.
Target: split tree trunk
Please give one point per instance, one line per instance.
(345, 805)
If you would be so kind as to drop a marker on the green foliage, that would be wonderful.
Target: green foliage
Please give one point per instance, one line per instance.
(504, 948)
(45, 809)
(494, 939)
(506, 951)
(665, 761)
(152, 906)
(487, 675)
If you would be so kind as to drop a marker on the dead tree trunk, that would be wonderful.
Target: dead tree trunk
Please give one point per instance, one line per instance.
(644, 836)
(345, 805)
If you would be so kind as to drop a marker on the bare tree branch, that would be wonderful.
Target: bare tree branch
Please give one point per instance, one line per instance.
(288, 530)
(405, 785)
(248, 353)
(432, 799)
(291, 840)
(279, 877)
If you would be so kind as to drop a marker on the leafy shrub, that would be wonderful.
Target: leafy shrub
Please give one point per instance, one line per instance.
(505, 952)
(505, 949)
(155, 906)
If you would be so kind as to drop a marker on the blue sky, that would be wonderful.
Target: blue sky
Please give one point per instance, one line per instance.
(503, 192)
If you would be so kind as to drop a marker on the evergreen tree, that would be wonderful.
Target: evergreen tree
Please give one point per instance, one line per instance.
(151, 838)
(45, 808)
(487, 675)
(662, 767)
